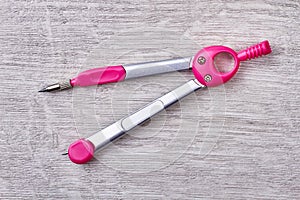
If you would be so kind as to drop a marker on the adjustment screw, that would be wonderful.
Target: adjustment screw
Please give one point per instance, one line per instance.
(207, 78)
(201, 60)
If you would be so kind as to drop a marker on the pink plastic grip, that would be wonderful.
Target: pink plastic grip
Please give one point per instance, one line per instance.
(204, 68)
(99, 76)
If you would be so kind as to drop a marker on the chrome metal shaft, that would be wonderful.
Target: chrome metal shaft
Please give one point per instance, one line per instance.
(156, 67)
(117, 129)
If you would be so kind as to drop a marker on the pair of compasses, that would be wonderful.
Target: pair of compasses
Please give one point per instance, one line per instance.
(205, 72)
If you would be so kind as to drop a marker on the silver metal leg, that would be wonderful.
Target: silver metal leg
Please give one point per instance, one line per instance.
(156, 67)
(117, 129)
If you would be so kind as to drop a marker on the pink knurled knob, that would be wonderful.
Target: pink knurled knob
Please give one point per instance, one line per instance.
(255, 51)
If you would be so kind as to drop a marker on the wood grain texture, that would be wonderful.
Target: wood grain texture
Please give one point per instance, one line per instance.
(240, 141)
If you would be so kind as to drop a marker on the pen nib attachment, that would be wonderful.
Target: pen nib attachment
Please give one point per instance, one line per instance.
(57, 87)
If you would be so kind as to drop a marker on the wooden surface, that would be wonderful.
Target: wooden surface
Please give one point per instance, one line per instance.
(238, 141)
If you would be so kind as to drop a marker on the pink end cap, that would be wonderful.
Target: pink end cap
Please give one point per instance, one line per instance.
(81, 151)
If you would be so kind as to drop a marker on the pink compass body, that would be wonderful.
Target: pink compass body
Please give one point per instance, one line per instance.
(204, 69)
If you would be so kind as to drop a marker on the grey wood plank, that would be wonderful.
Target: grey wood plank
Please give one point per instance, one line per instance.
(238, 141)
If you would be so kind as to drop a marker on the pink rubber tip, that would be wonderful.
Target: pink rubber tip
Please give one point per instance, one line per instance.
(81, 151)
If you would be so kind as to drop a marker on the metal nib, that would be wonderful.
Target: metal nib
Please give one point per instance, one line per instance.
(57, 87)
